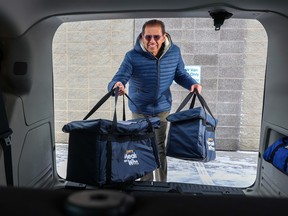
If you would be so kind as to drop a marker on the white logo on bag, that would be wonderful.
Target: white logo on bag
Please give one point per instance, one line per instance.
(131, 158)
(211, 144)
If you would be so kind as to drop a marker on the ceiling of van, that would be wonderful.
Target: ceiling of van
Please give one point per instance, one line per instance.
(16, 16)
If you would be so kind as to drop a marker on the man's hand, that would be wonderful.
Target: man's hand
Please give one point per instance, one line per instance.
(121, 88)
(196, 86)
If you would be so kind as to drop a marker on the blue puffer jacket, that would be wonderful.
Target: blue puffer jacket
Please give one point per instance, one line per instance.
(150, 78)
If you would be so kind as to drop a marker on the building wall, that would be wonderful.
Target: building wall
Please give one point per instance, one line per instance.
(87, 54)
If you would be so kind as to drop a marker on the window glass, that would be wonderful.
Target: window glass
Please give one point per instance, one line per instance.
(229, 63)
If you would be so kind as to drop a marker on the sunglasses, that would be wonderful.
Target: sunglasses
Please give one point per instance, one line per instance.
(149, 37)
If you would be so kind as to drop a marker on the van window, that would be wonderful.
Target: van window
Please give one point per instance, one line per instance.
(229, 63)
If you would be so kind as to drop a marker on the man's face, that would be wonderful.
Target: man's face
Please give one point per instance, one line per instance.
(153, 39)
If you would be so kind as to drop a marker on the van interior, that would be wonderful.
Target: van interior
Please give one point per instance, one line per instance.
(29, 181)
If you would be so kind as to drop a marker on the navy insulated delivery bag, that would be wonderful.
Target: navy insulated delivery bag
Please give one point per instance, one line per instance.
(103, 152)
(277, 154)
(191, 133)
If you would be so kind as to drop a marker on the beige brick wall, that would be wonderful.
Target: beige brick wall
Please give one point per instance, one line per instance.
(87, 54)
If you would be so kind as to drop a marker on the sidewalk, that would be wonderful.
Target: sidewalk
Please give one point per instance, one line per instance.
(234, 169)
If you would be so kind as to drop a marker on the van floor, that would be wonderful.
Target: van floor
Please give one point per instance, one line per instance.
(229, 171)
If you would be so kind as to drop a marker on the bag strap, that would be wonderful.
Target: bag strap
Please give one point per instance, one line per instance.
(115, 92)
(5, 141)
(185, 101)
(99, 104)
(150, 127)
(203, 103)
(201, 100)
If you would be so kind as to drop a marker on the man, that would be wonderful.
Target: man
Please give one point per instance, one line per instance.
(151, 67)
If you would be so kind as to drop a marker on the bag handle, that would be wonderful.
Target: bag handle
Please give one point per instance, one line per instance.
(140, 112)
(185, 101)
(114, 126)
(200, 98)
(99, 103)
(115, 92)
(203, 103)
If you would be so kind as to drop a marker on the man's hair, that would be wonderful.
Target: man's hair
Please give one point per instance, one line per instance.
(154, 22)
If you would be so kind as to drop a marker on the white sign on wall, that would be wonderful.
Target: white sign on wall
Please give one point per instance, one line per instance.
(194, 71)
